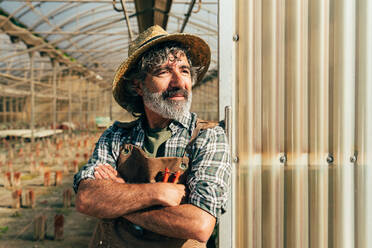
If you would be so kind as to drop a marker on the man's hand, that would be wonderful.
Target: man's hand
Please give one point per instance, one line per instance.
(170, 194)
(109, 196)
(105, 171)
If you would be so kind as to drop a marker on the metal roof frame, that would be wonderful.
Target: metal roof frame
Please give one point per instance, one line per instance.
(91, 43)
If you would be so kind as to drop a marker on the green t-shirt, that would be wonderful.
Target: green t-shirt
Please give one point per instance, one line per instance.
(154, 140)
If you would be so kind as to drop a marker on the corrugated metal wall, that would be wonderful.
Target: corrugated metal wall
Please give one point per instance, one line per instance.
(303, 110)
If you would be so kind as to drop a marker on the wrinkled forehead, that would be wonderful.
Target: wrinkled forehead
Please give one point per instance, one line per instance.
(179, 58)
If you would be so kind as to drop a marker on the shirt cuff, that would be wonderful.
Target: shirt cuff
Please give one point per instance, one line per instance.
(213, 206)
(85, 173)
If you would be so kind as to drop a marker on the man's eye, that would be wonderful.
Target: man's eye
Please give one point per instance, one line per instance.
(160, 72)
(163, 72)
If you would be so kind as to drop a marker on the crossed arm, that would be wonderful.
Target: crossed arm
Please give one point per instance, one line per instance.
(110, 197)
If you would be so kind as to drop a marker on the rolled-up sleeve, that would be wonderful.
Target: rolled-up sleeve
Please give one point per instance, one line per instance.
(105, 152)
(209, 178)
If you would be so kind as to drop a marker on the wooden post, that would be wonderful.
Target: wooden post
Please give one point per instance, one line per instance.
(86, 156)
(41, 168)
(30, 198)
(65, 167)
(20, 152)
(75, 166)
(17, 178)
(17, 198)
(39, 227)
(10, 165)
(37, 152)
(58, 178)
(8, 176)
(32, 166)
(67, 198)
(47, 178)
(58, 226)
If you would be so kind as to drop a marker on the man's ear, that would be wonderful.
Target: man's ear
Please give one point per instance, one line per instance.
(138, 87)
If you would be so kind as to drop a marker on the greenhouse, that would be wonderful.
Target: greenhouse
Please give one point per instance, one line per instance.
(287, 84)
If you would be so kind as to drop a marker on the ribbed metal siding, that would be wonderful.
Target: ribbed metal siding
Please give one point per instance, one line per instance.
(303, 111)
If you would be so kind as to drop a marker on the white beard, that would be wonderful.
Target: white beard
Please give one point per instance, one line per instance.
(166, 108)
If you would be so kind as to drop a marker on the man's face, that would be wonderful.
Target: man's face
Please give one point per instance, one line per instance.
(167, 89)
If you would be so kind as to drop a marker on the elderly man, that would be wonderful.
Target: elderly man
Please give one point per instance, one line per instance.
(162, 180)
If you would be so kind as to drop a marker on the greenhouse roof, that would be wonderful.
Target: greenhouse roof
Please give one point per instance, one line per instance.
(88, 38)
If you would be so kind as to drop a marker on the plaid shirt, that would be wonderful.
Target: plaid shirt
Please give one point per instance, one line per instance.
(209, 177)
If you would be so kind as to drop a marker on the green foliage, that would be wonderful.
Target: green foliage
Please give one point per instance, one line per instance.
(64, 211)
(3, 229)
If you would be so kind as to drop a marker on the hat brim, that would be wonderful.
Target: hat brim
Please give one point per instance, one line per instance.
(198, 49)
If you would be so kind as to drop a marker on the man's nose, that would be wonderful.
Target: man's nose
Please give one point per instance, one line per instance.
(177, 80)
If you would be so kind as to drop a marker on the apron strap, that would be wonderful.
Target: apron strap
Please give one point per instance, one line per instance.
(200, 125)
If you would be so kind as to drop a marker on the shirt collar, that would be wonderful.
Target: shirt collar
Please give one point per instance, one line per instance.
(184, 122)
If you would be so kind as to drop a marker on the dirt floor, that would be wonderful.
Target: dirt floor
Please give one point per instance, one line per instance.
(17, 225)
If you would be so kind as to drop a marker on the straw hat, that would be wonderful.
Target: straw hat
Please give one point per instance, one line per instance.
(198, 49)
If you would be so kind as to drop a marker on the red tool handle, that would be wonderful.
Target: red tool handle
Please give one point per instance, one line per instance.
(176, 176)
(166, 175)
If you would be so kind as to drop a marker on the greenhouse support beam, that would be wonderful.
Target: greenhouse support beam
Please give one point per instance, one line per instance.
(11, 112)
(7, 91)
(187, 16)
(69, 104)
(110, 95)
(54, 65)
(24, 81)
(81, 103)
(4, 109)
(87, 102)
(127, 19)
(37, 44)
(32, 123)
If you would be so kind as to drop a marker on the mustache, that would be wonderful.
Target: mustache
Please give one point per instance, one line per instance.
(175, 91)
